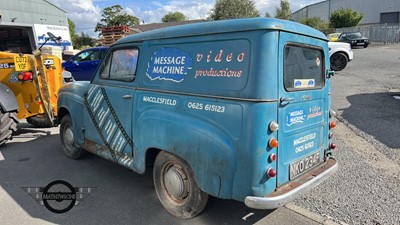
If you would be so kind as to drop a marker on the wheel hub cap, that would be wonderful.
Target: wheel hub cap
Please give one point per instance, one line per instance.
(69, 137)
(174, 182)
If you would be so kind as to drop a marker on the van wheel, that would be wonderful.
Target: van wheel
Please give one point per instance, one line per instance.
(176, 188)
(67, 139)
(338, 61)
(8, 125)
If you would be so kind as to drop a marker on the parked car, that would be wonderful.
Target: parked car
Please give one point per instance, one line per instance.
(84, 64)
(333, 37)
(340, 54)
(354, 39)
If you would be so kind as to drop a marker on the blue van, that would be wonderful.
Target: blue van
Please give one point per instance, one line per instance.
(236, 109)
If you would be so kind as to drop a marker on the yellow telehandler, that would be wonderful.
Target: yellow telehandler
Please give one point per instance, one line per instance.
(29, 85)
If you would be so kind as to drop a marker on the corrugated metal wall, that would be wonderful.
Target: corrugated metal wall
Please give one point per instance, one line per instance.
(320, 10)
(372, 9)
(31, 12)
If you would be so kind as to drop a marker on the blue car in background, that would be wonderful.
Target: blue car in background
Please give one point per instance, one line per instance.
(84, 64)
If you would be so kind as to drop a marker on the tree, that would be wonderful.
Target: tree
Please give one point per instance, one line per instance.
(231, 9)
(267, 15)
(316, 22)
(84, 41)
(72, 31)
(345, 18)
(174, 17)
(284, 12)
(115, 16)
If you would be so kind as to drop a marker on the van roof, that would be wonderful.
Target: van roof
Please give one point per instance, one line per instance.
(225, 26)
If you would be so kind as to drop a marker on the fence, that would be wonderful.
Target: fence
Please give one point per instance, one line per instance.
(381, 33)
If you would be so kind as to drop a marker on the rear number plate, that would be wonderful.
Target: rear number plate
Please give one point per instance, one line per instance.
(303, 164)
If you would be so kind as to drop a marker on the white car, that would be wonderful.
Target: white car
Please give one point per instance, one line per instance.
(340, 54)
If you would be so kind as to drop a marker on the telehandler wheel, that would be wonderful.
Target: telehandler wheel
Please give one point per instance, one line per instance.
(176, 187)
(67, 139)
(39, 121)
(8, 125)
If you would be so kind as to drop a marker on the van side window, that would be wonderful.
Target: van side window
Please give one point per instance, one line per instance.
(121, 65)
(303, 68)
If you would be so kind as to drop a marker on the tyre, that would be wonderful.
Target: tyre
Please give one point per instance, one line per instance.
(176, 188)
(338, 61)
(67, 139)
(8, 125)
(365, 45)
(39, 121)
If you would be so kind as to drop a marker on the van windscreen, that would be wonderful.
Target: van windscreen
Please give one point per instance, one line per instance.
(303, 68)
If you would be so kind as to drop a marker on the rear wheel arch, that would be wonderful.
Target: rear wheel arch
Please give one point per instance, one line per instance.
(62, 111)
(151, 155)
(343, 52)
(214, 170)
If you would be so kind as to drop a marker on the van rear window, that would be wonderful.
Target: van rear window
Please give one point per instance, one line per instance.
(303, 68)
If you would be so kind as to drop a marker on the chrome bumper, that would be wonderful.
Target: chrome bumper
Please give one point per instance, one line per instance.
(277, 201)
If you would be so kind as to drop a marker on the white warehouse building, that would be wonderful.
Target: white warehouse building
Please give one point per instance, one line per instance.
(24, 25)
(375, 11)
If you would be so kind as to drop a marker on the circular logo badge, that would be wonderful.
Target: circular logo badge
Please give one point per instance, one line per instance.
(59, 196)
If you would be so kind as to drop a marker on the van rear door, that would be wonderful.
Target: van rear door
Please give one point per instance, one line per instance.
(303, 105)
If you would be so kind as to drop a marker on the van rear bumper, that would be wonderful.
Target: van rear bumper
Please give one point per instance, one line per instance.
(293, 189)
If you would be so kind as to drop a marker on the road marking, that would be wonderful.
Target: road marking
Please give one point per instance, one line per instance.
(247, 216)
(1, 157)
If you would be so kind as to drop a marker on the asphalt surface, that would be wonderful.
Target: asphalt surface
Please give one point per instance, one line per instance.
(34, 159)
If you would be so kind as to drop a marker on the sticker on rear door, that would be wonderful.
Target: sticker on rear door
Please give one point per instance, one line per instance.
(297, 116)
(304, 83)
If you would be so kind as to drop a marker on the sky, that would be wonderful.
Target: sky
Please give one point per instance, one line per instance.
(86, 13)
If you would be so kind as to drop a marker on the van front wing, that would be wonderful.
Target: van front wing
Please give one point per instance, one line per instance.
(293, 189)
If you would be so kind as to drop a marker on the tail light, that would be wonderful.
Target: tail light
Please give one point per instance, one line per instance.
(331, 135)
(332, 125)
(271, 173)
(272, 157)
(273, 126)
(25, 76)
(273, 143)
(332, 146)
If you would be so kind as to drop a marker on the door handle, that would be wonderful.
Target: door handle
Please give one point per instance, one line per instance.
(288, 100)
(127, 96)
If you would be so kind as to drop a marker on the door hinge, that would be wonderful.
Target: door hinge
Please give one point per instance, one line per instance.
(330, 73)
